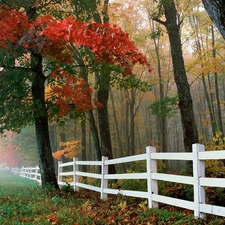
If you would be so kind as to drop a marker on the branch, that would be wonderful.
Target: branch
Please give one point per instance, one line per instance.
(159, 21)
(77, 56)
(15, 67)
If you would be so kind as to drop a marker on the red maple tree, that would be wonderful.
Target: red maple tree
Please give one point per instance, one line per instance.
(58, 38)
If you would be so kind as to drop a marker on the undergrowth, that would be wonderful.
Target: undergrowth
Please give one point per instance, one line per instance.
(22, 201)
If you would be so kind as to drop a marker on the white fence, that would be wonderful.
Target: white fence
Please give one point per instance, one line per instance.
(198, 180)
(29, 172)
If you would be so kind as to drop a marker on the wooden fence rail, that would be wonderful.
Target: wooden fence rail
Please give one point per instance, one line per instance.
(29, 172)
(198, 180)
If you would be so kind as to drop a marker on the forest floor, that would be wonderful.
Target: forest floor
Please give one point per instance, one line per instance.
(22, 201)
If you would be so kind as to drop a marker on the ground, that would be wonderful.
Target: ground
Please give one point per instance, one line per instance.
(22, 201)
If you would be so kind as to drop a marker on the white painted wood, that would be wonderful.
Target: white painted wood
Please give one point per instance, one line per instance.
(89, 163)
(173, 201)
(212, 182)
(89, 187)
(127, 176)
(152, 184)
(75, 177)
(173, 178)
(211, 155)
(66, 164)
(59, 172)
(212, 209)
(198, 171)
(85, 174)
(172, 156)
(138, 194)
(104, 181)
(66, 173)
(126, 159)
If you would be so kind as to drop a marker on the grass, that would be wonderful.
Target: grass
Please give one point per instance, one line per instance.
(22, 201)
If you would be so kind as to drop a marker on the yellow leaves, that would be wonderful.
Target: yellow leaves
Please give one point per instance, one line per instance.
(143, 205)
(122, 205)
(218, 142)
(70, 150)
(87, 206)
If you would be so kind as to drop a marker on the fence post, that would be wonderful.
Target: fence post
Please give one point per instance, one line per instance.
(22, 172)
(152, 184)
(198, 172)
(36, 173)
(104, 182)
(59, 172)
(75, 177)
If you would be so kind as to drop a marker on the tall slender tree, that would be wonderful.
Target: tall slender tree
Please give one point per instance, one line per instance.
(172, 25)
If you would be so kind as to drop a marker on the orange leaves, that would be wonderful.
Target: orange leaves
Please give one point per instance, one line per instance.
(53, 219)
(70, 92)
(70, 150)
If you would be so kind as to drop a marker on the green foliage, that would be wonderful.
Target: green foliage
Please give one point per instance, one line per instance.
(15, 94)
(165, 107)
(129, 82)
(67, 187)
(156, 33)
(176, 190)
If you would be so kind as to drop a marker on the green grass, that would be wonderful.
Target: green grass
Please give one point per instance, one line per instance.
(22, 201)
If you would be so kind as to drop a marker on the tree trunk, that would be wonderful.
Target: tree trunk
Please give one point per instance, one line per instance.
(118, 134)
(103, 95)
(84, 144)
(103, 119)
(46, 163)
(132, 122)
(185, 100)
(220, 122)
(216, 11)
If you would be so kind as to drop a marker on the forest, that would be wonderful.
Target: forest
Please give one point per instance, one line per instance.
(107, 78)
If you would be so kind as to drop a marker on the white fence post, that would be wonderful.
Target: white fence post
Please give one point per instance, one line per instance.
(152, 184)
(75, 177)
(36, 173)
(104, 182)
(59, 171)
(198, 172)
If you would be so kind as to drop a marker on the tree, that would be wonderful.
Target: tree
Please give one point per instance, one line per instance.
(216, 11)
(42, 50)
(172, 25)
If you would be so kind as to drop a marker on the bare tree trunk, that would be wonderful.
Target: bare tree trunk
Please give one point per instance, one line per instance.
(103, 119)
(190, 132)
(46, 164)
(83, 144)
(220, 123)
(132, 122)
(118, 134)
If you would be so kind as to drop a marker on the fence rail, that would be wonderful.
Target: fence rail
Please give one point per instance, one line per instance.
(29, 172)
(198, 180)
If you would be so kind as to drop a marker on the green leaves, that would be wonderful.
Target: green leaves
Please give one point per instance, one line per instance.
(165, 107)
(129, 82)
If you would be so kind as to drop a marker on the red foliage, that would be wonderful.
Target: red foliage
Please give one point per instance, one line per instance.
(12, 25)
(54, 38)
(71, 92)
(10, 158)
(108, 42)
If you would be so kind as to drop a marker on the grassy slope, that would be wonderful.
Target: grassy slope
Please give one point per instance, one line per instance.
(23, 202)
